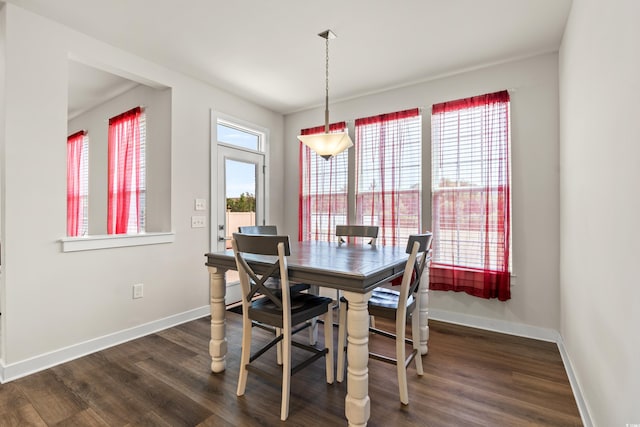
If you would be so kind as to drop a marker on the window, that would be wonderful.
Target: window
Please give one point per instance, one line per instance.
(387, 186)
(323, 190)
(388, 164)
(471, 196)
(231, 134)
(126, 181)
(77, 184)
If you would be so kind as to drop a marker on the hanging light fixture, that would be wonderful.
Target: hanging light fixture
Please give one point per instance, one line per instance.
(327, 144)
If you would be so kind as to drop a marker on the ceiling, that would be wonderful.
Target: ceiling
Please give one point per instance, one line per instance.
(268, 51)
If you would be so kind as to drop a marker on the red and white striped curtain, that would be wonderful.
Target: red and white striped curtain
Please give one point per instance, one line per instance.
(322, 190)
(124, 173)
(75, 206)
(388, 178)
(471, 196)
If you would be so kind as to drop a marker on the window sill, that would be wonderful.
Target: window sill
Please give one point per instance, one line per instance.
(89, 243)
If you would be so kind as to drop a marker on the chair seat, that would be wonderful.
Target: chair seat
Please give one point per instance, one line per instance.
(303, 307)
(384, 303)
(274, 283)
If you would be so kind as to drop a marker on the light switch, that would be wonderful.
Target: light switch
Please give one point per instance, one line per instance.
(198, 221)
(201, 204)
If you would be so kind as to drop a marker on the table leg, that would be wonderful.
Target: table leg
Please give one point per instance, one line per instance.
(218, 343)
(357, 403)
(423, 310)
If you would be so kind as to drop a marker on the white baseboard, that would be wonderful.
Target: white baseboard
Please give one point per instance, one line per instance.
(582, 405)
(38, 363)
(503, 326)
(522, 330)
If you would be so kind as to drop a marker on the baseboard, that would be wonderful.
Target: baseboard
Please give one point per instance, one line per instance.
(527, 331)
(38, 363)
(503, 326)
(582, 405)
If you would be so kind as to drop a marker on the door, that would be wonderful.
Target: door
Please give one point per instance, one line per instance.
(240, 201)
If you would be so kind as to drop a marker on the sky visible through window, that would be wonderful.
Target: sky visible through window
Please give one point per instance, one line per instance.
(241, 178)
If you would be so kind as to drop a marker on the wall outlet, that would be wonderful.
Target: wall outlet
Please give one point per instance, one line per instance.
(138, 290)
(201, 204)
(198, 221)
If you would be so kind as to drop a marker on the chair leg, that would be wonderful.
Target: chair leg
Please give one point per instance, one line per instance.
(342, 342)
(279, 348)
(286, 372)
(246, 354)
(415, 334)
(400, 361)
(328, 343)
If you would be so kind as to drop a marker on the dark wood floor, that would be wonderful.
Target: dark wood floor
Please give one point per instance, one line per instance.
(472, 378)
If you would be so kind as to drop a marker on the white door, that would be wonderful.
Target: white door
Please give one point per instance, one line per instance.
(240, 201)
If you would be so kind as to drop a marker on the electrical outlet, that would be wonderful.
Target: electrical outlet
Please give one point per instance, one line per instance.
(198, 221)
(201, 204)
(138, 290)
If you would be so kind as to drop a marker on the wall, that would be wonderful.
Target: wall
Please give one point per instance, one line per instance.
(56, 301)
(157, 110)
(533, 84)
(600, 172)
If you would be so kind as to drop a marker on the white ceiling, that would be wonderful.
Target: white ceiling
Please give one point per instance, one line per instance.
(268, 51)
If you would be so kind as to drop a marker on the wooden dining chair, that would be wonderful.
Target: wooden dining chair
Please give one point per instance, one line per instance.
(270, 230)
(356, 234)
(274, 282)
(399, 307)
(359, 231)
(281, 310)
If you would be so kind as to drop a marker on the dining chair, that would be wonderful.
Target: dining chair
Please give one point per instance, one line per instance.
(357, 232)
(370, 231)
(274, 282)
(399, 307)
(270, 230)
(281, 310)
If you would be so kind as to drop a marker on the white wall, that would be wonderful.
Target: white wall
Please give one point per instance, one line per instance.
(51, 299)
(533, 84)
(600, 181)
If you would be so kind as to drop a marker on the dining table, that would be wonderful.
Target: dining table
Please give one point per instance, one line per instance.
(352, 268)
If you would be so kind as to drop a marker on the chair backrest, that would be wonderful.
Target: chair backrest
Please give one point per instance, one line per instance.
(270, 230)
(370, 231)
(273, 251)
(419, 250)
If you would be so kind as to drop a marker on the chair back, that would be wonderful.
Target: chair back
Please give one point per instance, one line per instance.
(370, 231)
(419, 250)
(270, 230)
(268, 254)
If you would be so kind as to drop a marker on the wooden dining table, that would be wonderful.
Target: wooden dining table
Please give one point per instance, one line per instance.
(354, 269)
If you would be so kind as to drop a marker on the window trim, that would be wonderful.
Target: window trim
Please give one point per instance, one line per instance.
(107, 241)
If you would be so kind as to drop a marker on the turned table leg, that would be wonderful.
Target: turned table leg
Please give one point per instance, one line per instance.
(357, 403)
(218, 343)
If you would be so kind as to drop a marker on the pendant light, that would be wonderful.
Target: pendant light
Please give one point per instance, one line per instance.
(327, 144)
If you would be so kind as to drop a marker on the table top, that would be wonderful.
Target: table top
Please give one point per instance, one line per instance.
(349, 267)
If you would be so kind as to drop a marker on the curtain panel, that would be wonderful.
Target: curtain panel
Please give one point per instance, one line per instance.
(75, 206)
(322, 202)
(124, 173)
(471, 196)
(388, 177)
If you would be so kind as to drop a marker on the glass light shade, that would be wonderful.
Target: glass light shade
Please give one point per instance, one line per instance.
(327, 145)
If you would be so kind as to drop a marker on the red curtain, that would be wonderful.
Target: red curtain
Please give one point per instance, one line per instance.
(322, 201)
(388, 164)
(124, 172)
(471, 197)
(74, 202)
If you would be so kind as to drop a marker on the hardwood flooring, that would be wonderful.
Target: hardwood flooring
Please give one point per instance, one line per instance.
(472, 378)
